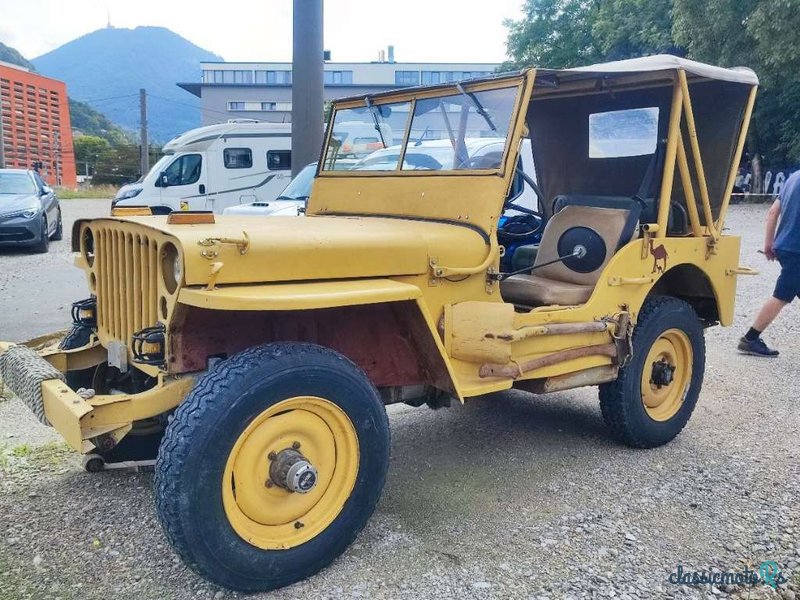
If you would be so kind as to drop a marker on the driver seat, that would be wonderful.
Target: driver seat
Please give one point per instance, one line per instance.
(558, 283)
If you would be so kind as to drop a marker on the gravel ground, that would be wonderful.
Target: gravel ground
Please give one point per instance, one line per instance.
(37, 290)
(509, 496)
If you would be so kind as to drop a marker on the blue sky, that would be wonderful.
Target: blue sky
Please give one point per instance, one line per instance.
(355, 30)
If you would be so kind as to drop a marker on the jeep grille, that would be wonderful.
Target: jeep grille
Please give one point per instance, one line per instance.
(126, 264)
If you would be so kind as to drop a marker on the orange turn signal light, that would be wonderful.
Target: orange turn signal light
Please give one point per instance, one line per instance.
(191, 217)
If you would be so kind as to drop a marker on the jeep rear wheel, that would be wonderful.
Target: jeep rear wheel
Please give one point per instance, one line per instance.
(654, 396)
(272, 465)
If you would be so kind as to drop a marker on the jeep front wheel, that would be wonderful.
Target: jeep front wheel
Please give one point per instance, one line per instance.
(654, 396)
(272, 465)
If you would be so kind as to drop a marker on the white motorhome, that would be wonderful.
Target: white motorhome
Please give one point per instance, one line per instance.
(214, 167)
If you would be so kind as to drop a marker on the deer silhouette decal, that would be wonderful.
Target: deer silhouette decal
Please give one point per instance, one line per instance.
(660, 255)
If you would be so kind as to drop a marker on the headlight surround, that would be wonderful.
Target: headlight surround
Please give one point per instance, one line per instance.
(171, 267)
(27, 213)
(129, 194)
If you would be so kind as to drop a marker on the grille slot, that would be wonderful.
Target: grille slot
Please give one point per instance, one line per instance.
(126, 265)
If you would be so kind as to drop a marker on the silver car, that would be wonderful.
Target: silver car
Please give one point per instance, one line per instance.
(30, 214)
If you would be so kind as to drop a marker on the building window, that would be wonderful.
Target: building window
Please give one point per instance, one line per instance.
(279, 160)
(236, 106)
(212, 76)
(243, 77)
(274, 77)
(433, 77)
(338, 77)
(406, 77)
(237, 158)
(269, 106)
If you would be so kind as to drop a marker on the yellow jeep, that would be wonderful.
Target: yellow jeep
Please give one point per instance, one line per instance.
(256, 355)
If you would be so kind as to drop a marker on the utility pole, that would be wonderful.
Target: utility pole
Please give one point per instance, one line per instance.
(307, 73)
(144, 152)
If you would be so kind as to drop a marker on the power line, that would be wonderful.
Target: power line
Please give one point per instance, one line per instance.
(107, 98)
(189, 105)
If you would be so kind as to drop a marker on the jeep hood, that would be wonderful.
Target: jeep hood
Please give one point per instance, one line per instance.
(317, 247)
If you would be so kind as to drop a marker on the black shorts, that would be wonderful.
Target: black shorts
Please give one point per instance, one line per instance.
(787, 288)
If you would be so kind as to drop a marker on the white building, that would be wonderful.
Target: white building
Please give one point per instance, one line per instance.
(263, 90)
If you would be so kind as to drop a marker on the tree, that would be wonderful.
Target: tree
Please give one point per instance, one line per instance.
(117, 165)
(88, 149)
(632, 28)
(760, 34)
(570, 33)
(553, 34)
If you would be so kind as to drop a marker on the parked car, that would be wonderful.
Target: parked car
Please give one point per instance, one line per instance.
(291, 201)
(214, 167)
(30, 214)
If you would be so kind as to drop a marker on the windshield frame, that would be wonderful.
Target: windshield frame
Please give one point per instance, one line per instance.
(456, 88)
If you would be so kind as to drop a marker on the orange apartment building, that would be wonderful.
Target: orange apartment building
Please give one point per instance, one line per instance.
(34, 111)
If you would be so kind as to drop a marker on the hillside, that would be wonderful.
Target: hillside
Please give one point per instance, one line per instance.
(83, 117)
(12, 55)
(106, 69)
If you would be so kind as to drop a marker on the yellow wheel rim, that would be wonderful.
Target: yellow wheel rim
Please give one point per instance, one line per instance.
(662, 395)
(269, 516)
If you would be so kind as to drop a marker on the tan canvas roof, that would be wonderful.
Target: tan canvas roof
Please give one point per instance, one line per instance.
(667, 62)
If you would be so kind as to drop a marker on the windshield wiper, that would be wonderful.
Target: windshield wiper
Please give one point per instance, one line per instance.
(478, 106)
(420, 138)
(374, 112)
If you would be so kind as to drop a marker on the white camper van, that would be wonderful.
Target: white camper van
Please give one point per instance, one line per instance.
(214, 167)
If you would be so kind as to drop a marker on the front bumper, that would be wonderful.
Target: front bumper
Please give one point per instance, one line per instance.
(84, 422)
(21, 232)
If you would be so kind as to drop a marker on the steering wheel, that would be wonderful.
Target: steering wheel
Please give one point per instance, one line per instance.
(518, 228)
(511, 205)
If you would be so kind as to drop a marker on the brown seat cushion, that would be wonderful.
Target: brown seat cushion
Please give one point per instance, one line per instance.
(533, 290)
(556, 283)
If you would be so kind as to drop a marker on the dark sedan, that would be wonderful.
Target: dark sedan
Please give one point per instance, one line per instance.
(29, 211)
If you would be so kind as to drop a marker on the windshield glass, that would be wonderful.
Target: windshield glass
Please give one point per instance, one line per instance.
(457, 130)
(299, 188)
(360, 131)
(16, 183)
(158, 167)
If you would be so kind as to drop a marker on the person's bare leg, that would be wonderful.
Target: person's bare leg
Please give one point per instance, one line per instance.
(768, 312)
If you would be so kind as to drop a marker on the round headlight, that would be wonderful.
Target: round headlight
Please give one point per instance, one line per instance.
(171, 267)
(177, 267)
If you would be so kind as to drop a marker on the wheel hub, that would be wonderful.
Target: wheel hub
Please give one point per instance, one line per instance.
(663, 373)
(292, 471)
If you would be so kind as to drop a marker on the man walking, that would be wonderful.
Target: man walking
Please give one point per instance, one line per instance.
(783, 216)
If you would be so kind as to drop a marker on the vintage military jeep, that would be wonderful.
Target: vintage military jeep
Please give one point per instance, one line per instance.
(260, 353)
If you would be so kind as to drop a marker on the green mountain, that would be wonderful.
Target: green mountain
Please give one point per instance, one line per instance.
(82, 116)
(11, 55)
(106, 69)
